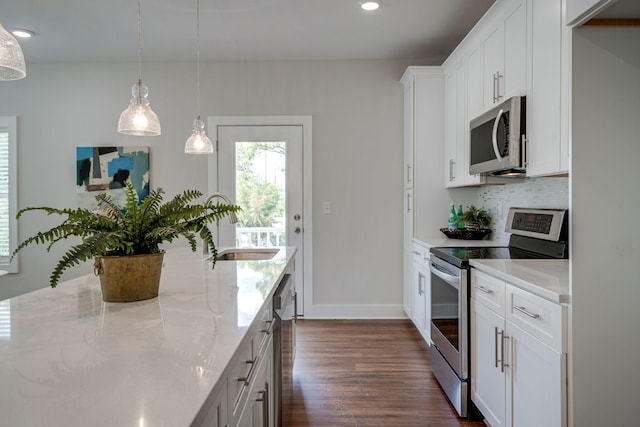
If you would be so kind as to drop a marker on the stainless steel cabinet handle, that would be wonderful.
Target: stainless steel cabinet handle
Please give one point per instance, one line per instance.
(501, 360)
(452, 176)
(294, 297)
(246, 380)
(495, 336)
(525, 154)
(502, 364)
(498, 96)
(409, 210)
(264, 398)
(495, 97)
(483, 289)
(420, 281)
(523, 310)
(409, 173)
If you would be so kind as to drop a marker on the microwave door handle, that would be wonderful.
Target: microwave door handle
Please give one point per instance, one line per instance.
(494, 135)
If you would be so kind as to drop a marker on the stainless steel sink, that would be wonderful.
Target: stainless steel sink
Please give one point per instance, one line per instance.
(248, 254)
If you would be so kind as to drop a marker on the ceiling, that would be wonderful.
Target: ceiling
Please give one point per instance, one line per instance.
(100, 30)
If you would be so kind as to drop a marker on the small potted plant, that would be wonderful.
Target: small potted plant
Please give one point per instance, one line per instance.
(125, 240)
(476, 219)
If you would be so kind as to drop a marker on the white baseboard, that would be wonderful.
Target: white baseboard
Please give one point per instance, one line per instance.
(360, 311)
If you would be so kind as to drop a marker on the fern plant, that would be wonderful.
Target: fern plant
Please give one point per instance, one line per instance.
(476, 217)
(132, 229)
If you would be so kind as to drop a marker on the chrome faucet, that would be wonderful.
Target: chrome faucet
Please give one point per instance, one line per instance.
(233, 218)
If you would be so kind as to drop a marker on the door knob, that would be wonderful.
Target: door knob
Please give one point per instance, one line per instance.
(297, 230)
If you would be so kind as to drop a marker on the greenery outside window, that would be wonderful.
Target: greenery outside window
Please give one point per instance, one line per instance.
(8, 193)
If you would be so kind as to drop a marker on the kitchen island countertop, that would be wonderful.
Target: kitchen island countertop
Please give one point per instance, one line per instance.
(69, 359)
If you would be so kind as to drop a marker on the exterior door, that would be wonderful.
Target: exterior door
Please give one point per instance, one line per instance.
(261, 169)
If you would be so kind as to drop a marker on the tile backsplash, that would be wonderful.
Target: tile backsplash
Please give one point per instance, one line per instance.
(532, 193)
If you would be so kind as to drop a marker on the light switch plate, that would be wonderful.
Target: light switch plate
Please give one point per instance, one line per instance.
(326, 208)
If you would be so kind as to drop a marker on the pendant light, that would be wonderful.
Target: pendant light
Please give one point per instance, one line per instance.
(12, 65)
(198, 142)
(138, 118)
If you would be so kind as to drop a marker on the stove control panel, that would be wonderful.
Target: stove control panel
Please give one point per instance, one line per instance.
(547, 224)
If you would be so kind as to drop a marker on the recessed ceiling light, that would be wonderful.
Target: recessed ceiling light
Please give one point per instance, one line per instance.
(22, 33)
(370, 5)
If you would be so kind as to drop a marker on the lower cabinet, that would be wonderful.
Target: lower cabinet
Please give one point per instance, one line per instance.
(244, 397)
(518, 355)
(259, 408)
(421, 298)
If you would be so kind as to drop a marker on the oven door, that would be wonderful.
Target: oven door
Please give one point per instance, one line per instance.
(449, 314)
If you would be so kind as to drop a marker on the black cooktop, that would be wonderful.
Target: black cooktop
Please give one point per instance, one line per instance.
(460, 256)
(520, 247)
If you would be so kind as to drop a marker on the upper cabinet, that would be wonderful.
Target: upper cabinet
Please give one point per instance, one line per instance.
(519, 48)
(504, 49)
(578, 11)
(548, 90)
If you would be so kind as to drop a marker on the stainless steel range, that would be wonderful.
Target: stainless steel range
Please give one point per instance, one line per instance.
(535, 233)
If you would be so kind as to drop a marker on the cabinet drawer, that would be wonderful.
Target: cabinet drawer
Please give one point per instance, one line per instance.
(240, 376)
(488, 290)
(539, 317)
(421, 254)
(263, 330)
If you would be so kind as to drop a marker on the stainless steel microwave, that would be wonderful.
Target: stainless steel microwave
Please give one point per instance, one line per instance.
(496, 140)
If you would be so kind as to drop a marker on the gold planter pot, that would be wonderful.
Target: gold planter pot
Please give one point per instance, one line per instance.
(129, 278)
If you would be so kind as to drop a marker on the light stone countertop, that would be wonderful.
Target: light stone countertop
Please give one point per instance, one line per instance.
(548, 278)
(69, 359)
(441, 240)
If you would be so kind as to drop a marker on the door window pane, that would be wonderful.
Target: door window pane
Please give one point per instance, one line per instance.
(261, 192)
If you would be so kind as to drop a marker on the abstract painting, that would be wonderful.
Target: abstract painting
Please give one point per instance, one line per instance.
(106, 169)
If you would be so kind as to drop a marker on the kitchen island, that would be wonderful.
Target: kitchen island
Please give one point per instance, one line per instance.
(69, 359)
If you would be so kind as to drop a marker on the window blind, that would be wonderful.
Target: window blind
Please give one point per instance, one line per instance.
(5, 248)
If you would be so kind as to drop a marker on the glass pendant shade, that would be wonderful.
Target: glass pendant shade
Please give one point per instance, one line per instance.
(198, 142)
(139, 119)
(12, 65)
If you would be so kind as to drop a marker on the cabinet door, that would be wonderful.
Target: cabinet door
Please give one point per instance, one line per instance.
(545, 114)
(451, 148)
(407, 280)
(217, 413)
(421, 289)
(515, 52)
(537, 380)
(474, 83)
(488, 379)
(493, 65)
(258, 411)
(408, 134)
(505, 55)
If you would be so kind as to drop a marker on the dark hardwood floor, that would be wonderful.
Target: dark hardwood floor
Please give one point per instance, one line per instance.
(366, 373)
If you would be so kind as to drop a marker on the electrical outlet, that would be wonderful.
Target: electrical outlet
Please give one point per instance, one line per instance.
(499, 208)
(326, 208)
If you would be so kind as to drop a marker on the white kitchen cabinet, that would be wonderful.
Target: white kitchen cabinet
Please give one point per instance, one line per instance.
(518, 355)
(548, 90)
(537, 380)
(579, 11)
(504, 54)
(407, 272)
(258, 411)
(457, 128)
(421, 313)
(488, 379)
(217, 414)
(423, 135)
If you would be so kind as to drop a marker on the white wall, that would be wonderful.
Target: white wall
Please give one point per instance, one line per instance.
(357, 154)
(605, 201)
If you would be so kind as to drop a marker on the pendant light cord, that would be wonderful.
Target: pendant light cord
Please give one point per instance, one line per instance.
(139, 44)
(198, 57)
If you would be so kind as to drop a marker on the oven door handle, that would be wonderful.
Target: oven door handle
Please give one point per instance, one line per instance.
(452, 280)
